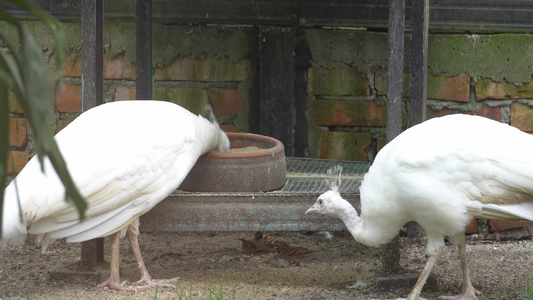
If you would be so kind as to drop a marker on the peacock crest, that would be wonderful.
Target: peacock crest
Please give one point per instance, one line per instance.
(209, 114)
(334, 178)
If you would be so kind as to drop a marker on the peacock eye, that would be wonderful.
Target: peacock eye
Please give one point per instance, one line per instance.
(320, 201)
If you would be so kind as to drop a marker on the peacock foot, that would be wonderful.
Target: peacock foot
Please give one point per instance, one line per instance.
(144, 283)
(148, 282)
(419, 298)
(470, 294)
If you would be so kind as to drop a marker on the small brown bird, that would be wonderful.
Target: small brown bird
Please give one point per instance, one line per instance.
(269, 239)
(261, 243)
(291, 253)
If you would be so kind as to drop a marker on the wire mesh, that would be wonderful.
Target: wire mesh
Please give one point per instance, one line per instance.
(309, 176)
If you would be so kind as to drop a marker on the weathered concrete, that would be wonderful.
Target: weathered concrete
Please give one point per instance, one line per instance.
(363, 50)
(499, 57)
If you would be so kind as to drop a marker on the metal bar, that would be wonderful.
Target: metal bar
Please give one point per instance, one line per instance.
(92, 252)
(92, 53)
(488, 16)
(395, 68)
(303, 57)
(276, 89)
(143, 31)
(92, 80)
(419, 62)
(391, 255)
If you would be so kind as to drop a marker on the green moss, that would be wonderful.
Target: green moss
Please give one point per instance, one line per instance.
(242, 121)
(168, 42)
(348, 113)
(337, 82)
(452, 51)
(499, 57)
(483, 86)
(9, 32)
(40, 32)
(314, 132)
(345, 145)
(14, 105)
(314, 136)
(381, 142)
(118, 38)
(73, 37)
(364, 51)
(433, 86)
(521, 116)
(192, 99)
(214, 42)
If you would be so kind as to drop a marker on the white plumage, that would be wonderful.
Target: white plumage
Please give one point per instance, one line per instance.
(124, 157)
(441, 173)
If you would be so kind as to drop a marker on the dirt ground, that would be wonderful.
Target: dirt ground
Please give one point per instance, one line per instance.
(214, 266)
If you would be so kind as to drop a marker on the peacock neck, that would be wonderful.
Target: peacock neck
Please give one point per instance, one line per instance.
(368, 233)
(210, 135)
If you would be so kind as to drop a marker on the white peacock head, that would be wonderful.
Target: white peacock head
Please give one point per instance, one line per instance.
(334, 178)
(326, 203)
(224, 144)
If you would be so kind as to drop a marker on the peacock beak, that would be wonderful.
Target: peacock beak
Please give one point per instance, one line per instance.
(311, 210)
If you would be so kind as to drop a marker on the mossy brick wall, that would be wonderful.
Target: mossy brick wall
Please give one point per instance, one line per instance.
(191, 68)
(487, 75)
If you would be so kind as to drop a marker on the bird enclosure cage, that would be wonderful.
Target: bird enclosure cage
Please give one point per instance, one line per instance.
(278, 210)
(308, 176)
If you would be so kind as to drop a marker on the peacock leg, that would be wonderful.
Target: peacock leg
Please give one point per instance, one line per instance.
(114, 278)
(430, 264)
(469, 292)
(146, 280)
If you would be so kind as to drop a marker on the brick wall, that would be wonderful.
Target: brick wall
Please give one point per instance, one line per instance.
(347, 85)
(358, 109)
(183, 73)
(214, 80)
(346, 81)
(18, 137)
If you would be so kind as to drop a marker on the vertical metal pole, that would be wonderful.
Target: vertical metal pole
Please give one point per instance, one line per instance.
(276, 89)
(92, 81)
(143, 32)
(419, 62)
(391, 255)
(302, 63)
(92, 53)
(395, 68)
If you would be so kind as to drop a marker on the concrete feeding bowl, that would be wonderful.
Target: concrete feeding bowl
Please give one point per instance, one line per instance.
(255, 163)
